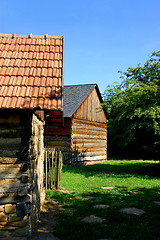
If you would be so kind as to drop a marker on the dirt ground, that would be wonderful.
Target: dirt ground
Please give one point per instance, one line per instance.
(50, 210)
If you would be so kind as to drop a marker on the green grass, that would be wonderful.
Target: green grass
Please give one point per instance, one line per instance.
(138, 185)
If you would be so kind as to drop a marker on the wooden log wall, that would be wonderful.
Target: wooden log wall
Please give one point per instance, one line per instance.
(58, 136)
(83, 137)
(36, 155)
(90, 141)
(18, 155)
(91, 109)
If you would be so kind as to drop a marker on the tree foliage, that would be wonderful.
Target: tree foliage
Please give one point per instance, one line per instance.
(133, 108)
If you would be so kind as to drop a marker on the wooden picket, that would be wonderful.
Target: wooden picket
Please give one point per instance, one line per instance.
(52, 168)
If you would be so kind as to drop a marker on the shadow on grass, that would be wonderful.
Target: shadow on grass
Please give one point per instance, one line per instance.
(150, 169)
(117, 225)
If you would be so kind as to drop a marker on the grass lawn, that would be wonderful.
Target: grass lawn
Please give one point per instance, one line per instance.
(137, 185)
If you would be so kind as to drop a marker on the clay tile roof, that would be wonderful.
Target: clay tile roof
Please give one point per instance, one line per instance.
(31, 71)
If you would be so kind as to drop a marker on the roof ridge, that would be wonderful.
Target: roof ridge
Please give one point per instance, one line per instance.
(14, 35)
(74, 85)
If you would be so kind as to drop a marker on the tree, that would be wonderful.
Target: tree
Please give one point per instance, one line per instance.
(133, 108)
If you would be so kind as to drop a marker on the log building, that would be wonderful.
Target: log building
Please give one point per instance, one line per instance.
(83, 133)
(31, 70)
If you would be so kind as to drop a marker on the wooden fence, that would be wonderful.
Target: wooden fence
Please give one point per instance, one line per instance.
(52, 168)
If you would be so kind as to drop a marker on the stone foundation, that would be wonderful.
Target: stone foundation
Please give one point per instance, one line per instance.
(12, 226)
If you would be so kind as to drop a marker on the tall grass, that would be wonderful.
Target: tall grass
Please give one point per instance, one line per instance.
(137, 185)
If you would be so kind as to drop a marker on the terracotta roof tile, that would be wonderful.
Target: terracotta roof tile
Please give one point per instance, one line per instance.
(19, 103)
(6, 102)
(13, 102)
(29, 68)
(31, 81)
(35, 91)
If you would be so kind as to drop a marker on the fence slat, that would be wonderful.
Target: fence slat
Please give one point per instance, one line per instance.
(52, 168)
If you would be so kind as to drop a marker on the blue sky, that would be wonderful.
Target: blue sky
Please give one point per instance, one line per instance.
(101, 36)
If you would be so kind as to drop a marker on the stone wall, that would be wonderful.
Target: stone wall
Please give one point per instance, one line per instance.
(21, 173)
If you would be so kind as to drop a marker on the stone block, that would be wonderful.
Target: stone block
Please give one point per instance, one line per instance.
(16, 238)
(22, 191)
(3, 224)
(21, 232)
(7, 228)
(21, 209)
(3, 217)
(18, 223)
(13, 218)
(4, 234)
(24, 178)
(1, 208)
(10, 208)
(28, 198)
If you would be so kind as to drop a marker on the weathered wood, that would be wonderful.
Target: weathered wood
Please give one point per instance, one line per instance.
(12, 132)
(52, 168)
(10, 176)
(95, 153)
(58, 137)
(86, 137)
(9, 153)
(12, 187)
(92, 145)
(83, 125)
(11, 143)
(7, 160)
(11, 169)
(89, 133)
(57, 131)
(83, 121)
(87, 140)
(91, 109)
(59, 143)
(84, 134)
(88, 149)
(94, 158)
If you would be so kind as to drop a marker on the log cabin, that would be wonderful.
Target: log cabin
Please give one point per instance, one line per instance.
(83, 134)
(31, 81)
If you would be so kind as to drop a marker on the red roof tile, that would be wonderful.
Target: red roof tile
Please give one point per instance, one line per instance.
(31, 69)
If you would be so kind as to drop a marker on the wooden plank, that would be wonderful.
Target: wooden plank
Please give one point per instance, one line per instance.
(57, 144)
(10, 143)
(89, 109)
(94, 158)
(87, 126)
(9, 153)
(64, 138)
(91, 149)
(90, 145)
(7, 160)
(11, 186)
(9, 176)
(84, 136)
(13, 168)
(89, 132)
(82, 121)
(92, 154)
(46, 170)
(57, 131)
(11, 132)
(7, 166)
(88, 140)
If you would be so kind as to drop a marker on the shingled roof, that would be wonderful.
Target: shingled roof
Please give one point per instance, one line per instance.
(74, 95)
(31, 71)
